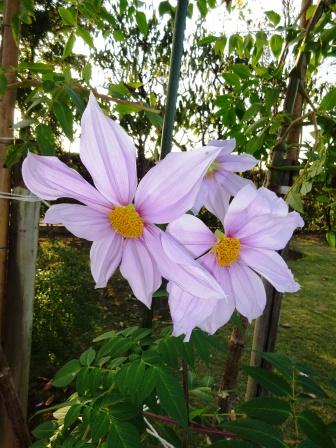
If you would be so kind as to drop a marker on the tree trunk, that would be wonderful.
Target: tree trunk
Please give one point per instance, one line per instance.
(227, 393)
(266, 328)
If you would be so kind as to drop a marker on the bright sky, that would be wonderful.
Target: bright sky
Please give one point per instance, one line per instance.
(218, 21)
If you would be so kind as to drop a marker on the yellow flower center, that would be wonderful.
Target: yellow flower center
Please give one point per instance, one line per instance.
(212, 169)
(126, 221)
(226, 249)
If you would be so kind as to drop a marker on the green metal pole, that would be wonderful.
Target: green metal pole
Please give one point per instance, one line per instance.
(174, 77)
(169, 117)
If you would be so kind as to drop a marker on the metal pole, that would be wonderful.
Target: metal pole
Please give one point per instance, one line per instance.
(169, 117)
(174, 77)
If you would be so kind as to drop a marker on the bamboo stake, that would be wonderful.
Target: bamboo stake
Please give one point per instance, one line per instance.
(266, 328)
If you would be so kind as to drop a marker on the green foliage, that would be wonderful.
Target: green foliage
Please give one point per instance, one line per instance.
(126, 370)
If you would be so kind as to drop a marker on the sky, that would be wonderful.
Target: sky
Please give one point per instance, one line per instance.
(218, 22)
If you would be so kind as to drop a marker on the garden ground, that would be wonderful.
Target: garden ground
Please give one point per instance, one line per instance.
(69, 312)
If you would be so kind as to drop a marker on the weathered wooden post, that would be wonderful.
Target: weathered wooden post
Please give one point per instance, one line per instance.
(278, 180)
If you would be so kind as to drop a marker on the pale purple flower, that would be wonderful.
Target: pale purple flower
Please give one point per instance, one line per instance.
(256, 225)
(123, 232)
(220, 181)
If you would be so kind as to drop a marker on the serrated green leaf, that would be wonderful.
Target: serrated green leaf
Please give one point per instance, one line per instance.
(35, 67)
(123, 435)
(115, 347)
(45, 430)
(76, 99)
(119, 90)
(220, 44)
(200, 342)
(329, 100)
(85, 35)
(293, 198)
(67, 373)
(165, 8)
(149, 383)
(118, 36)
(273, 17)
(45, 140)
(171, 396)
(276, 43)
(130, 379)
(315, 429)
(15, 153)
(268, 409)
(64, 117)
(310, 386)
(72, 415)
(87, 358)
(99, 424)
(269, 380)
(67, 15)
(108, 335)
(155, 119)
(124, 109)
(232, 79)
(87, 72)
(141, 21)
(207, 40)
(69, 45)
(280, 362)
(257, 432)
(242, 70)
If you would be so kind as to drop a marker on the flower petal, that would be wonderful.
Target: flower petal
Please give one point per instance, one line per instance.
(237, 163)
(216, 198)
(269, 231)
(231, 182)
(192, 233)
(226, 146)
(176, 264)
(237, 213)
(170, 188)
(80, 220)
(188, 311)
(49, 178)
(105, 257)
(272, 267)
(140, 270)
(108, 154)
(249, 291)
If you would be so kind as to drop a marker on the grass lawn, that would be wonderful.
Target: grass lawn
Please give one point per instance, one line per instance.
(69, 312)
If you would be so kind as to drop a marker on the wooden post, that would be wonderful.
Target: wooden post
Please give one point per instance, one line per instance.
(12, 404)
(266, 328)
(23, 243)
